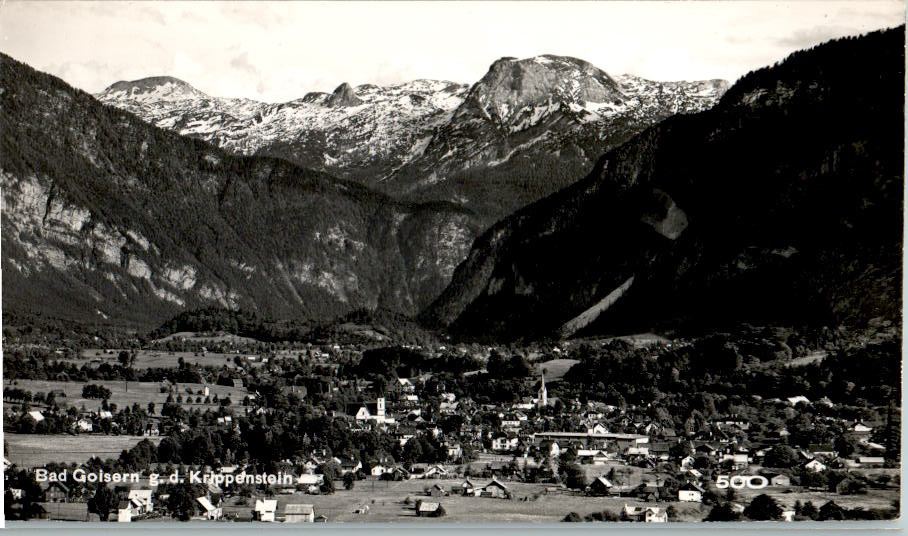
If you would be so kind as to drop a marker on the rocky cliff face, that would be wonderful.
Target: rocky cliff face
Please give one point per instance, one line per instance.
(107, 218)
(782, 204)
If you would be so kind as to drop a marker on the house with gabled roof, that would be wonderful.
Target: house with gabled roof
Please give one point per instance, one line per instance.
(299, 513)
(814, 466)
(600, 486)
(647, 514)
(142, 499)
(495, 489)
(211, 511)
(466, 488)
(265, 510)
(691, 492)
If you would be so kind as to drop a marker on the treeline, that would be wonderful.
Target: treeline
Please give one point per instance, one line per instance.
(240, 322)
(620, 374)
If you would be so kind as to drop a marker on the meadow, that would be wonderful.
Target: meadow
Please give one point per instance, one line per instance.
(125, 393)
(34, 450)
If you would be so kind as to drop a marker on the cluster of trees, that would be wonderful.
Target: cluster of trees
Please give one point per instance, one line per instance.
(765, 508)
(93, 390)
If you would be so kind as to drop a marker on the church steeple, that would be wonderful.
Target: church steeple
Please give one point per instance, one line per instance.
(543, 396)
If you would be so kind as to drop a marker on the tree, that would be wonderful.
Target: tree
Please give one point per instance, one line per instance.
(763, 508)
(831, 512)
(102, 502)
(781, 456)
(845, 445)
(181, 503)
(573, 476)
(330, 471)
(722, 512)
(809, 511)
(349, 481)
(671, 512)
(573, 517)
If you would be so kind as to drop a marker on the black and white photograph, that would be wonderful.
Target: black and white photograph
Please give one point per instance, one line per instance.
(601, 264)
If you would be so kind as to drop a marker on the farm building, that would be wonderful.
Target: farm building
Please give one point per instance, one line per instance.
(437, 491)
(646, 514)
(600, 486)
(466, 489)
(495, 489)
(56, 492)
(427, 509)
(299, 513)
(781, 481)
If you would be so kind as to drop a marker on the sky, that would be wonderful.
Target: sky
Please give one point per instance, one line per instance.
(276, 52)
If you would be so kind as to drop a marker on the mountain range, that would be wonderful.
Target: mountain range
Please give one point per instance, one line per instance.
(524, 130)
(298, 210)
(782, 204)
(778, 199)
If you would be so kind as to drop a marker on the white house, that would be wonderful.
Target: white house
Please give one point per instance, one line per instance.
(860, 428)
(83, 425)
(815, 466)
(141, 499)
(504, 443)
(690, 492)
(124, 512)
(265, 509)
(646, 514)
(597, 429)
(739, 461)
(212, 512)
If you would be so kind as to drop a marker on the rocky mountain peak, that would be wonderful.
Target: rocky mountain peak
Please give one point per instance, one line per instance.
(152, 88)
(511, 84)
(344, 96)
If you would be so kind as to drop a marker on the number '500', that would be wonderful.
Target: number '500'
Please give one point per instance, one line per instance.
(741, 481)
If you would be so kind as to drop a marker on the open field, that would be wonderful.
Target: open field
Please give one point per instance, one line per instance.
(30, 450)
(127, 393)
(385, 501)
(159, 359)
(556, 368)
(531, 503)
(640, 339)
(190, 336)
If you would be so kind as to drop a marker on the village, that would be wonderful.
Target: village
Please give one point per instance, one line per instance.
(364, 440)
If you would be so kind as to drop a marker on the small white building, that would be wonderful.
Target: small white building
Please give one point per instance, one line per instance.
(265, 510)
(690, 492)
(141, 499)
(211, 512)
